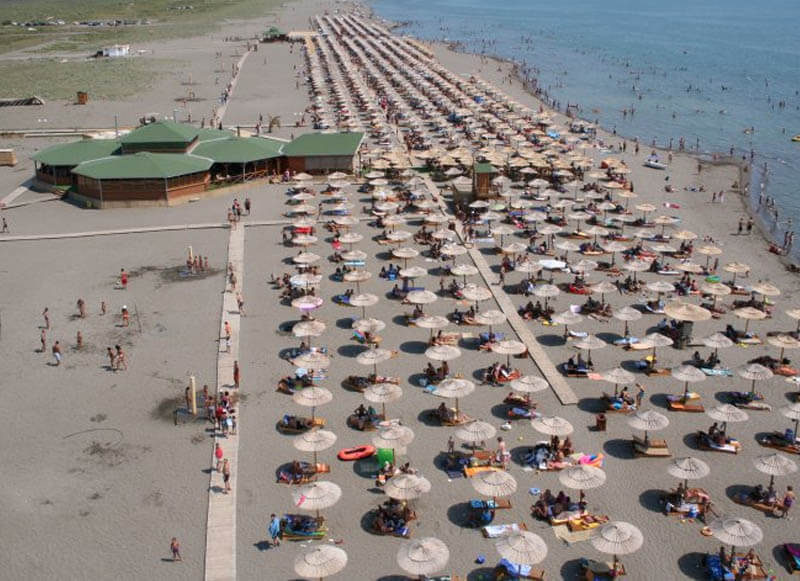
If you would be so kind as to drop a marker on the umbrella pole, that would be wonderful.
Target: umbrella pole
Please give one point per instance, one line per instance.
(566, 332)
(589, 357)
(315, 459)
(685, 391)
(383, 410)
(627, 331)
(753, 387)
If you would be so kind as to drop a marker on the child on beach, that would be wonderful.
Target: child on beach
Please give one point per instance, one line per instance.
(175, 549)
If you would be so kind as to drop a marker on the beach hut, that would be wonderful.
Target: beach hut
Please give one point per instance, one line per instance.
(140, 179)
(53, 165)
(241, 158)
(318, 153)
(482, 176)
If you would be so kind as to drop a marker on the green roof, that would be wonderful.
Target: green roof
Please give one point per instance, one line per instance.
(164, 132)
(143, 165)
(484, 168)
(319, 144)
(239, 149)
(209, 133)
(76, 152)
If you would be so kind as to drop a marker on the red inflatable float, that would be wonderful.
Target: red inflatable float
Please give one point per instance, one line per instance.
(356, 453)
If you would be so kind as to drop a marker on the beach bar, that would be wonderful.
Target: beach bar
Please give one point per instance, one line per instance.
(317, 153)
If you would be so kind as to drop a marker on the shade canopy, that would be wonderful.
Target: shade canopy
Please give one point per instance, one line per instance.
(368, 325)
(627, 314)
(582, 477)
(775, 465)
(618, 538)
(736, 531)
(312, 360)
(509, 347)
(686, 311)
(320, 561)
(423, 556)
(529, 384)
(432, 322)
(443, 353)
(648, 420)
(406, 486)
(373, 356)
(421, 297)
(754, 372)
(617, 375)
(494, 483)
(308, 329)
(312, 396)
(477, 431)
(316, 495)
(383, 392)
(590, 342)
(552, 426)
(314, 441)
(717, 341)
(688, 373)
(727, 413)
(522, 547)
(491, 317)
(454, 387)
(395, 436)
(363, 300)
(688, 468)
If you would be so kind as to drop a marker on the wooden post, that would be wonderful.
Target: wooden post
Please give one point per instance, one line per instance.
(193, 390)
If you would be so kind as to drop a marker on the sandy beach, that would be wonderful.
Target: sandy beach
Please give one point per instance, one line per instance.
(97, 478)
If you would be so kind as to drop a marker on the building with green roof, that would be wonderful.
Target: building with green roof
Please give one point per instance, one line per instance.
(162, 163)
(53, 165)
(323, 152)
(161, 136)
(142, 178)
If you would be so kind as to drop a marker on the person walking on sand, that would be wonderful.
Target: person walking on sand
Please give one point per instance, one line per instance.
(57, 353)
(639, 395)
(123, 279)
(79, 340)
(219, 456)
(126, 316)
(274, 530)
(103, 308)
(227, 330)
(247, 205)
(175, 549)
(46, 316)
(112, 359)
(43, 340)
(122, 362)
(749, 226)
(741, 226)
(81, 308)
(5, 226)
(226, 475)
(240, 304)
(236, 374)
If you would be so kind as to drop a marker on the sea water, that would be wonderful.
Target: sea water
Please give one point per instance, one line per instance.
(725, 73)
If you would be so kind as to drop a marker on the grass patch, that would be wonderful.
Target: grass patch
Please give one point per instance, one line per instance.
(104, 79)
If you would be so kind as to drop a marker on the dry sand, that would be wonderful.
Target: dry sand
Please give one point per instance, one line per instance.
(103, 504)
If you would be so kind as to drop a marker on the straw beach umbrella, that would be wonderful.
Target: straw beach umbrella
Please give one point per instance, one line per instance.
(312, 397)
(754, 372)
(736, 532)
(522, 547)
(618, 538)
(477, 431)
(320, 561)
(406, 487)
(687, 374)
(529, 384)
(688, 468)
(508, 348)
(783, 342)
(395, 437)
(552, 426)
(749, 314)
(312, 360)
(455, 388)
(627, 314)
(424, 556)
(363, 300)
(792, 411)
(383, 393)
(316, 495)
(648, 421)
(494, 483)
(373, 357)
(616, 376)
(314, 441)
(590, 342)
(727, 413)
(775, 465)
(582, 477)
(368, 325)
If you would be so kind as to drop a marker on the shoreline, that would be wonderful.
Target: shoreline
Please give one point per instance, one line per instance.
(744, 167)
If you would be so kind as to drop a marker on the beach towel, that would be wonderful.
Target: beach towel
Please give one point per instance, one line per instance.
(721, 372)
(515, 568)
(497, 531)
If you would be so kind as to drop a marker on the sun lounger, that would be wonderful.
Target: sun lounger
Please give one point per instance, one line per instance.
(470, 471)
(793, 556)
(715, 372)
(497, 531)
(679, 404)
(512, 570)
(650, 449)
(491, 504)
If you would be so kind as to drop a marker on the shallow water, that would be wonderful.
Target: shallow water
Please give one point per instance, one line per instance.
(704, 71)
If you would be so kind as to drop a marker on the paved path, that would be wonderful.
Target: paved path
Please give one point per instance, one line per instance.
(557, 382)
(13, 196)
(221, 523)
(222, 109)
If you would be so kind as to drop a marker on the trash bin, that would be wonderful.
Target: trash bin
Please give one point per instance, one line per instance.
(600, 423)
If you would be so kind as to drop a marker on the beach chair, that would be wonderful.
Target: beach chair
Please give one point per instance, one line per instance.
(652, 448)
(497, 531)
